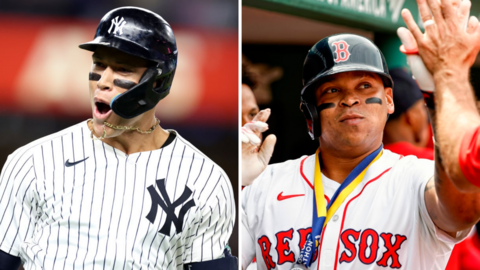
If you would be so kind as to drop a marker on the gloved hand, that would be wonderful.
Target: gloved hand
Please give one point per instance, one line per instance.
(419, 71)
(251, 131)
(255, 159)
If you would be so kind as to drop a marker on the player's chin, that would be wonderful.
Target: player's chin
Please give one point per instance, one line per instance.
(354, 137)
(97, 127)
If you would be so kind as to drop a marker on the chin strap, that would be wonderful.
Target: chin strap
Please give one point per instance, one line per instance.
(133, 128)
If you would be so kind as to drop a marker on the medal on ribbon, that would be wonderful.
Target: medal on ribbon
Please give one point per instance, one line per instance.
(298, 266)
(323, 212)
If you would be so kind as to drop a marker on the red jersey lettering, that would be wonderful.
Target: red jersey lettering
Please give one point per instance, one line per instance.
(391, 250)
(362, 253)
(283, 247)
(303, 239)
(349, 245)
(265, 245)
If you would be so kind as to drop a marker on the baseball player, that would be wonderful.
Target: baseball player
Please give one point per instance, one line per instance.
(407, 131)
(118, 191)
(353, 204)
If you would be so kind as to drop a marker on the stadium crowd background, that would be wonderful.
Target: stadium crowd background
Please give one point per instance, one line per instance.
(44, 75)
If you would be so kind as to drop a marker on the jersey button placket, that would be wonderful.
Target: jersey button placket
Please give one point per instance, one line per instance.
(330, 240)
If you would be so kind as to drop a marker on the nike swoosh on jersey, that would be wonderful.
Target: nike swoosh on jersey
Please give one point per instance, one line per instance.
(70, 164)
(280, 197)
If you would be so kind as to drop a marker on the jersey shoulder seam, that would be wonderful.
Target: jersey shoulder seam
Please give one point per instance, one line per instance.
(36, 143)
(216, 166)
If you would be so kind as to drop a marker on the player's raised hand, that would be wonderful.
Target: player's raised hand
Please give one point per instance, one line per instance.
(254, 159)
(448, 43)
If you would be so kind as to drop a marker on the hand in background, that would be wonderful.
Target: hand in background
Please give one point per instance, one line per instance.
(448, 43)
(255, 159)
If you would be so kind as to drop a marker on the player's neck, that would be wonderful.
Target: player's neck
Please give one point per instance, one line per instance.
(396, 132)
(133, 142)
(336, 164)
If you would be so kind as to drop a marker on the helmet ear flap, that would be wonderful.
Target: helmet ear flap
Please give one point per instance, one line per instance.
(312, 118)
(164, 81)
(139, 98)
(143, 96)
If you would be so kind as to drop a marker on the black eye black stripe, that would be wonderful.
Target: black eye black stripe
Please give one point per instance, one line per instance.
(373, 100)
(125, 84)
(93, 76)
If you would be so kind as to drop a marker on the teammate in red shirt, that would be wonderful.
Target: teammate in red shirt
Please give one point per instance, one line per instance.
(469, 155)
(466, 255)
(407, 129)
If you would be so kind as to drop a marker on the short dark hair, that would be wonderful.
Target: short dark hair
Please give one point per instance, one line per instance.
(248, 77)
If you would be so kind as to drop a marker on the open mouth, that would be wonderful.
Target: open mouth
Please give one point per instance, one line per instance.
(102, 108)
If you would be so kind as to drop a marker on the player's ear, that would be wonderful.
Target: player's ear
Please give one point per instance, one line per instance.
(389, 100)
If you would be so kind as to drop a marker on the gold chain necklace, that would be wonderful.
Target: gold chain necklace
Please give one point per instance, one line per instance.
(134, 128)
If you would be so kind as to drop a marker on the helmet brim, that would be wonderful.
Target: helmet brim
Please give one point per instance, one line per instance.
(315, 83)
(123, 45)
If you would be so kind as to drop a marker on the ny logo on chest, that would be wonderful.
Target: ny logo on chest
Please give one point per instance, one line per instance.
(168, 207)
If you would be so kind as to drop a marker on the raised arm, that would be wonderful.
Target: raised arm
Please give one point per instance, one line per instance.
(448, 49)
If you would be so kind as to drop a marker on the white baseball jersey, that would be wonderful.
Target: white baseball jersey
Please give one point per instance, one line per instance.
(69, 202)
(382, 224)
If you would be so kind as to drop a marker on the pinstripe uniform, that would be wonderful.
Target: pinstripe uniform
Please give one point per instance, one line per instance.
(68, 202)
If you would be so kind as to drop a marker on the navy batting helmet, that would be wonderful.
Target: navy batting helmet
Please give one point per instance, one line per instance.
(332, 55)
(142, 33)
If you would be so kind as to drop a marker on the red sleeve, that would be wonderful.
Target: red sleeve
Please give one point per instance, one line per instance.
(465, 255)
(469, 156)
(454, 263)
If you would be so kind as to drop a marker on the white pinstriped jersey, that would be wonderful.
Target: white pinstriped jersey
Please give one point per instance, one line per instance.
(382, 224)
(69, 202)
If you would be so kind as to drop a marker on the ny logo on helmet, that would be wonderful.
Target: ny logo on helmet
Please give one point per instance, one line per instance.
(119, 24)
(341, 51)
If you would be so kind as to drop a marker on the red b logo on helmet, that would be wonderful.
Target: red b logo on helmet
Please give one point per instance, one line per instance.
(341, 50)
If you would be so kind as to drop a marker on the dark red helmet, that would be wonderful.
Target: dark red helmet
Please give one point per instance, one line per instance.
(332, 55)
